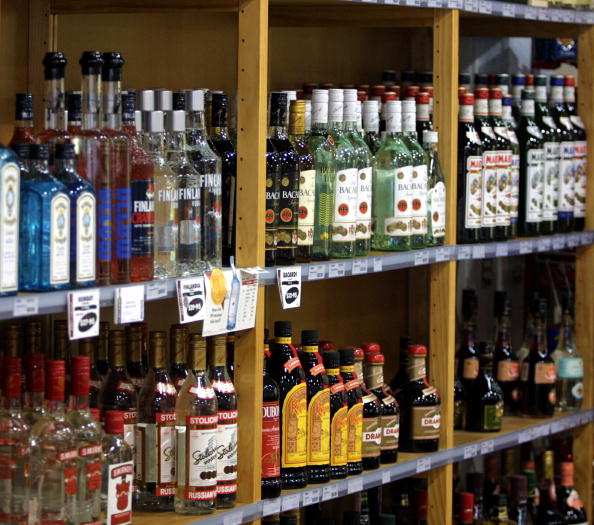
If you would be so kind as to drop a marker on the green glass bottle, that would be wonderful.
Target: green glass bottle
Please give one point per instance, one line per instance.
(436, 192)
(508, 120)
(371, 125)
(392, 174)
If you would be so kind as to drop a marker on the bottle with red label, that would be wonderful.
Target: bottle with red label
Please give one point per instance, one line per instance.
(227, 424)
(134, 364)
(548, 511)
(155, 432)
(54, 448)
(118, 472)
(87, 347)
(355, 410)
(178, 346)
(570, 504)
(196, 413)
(271, 482)
(467, 358)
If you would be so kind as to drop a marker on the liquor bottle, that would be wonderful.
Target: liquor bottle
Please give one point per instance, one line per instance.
(465, 512)
(208, 165)
(307, 182)
(23, 126)
(474, 484)
(533, 495)
(34, 406)
(423, 118)
(284, 367)
(420, 411)
(570, 366)
(230, 343)
(118, 472)
(538, 371)
(54, 448)
(101, 359)
(61, 345)
(531, 311)
(44, 244)
(142, 172)
(338, 416)
(11, 167)
(492, 485)
(16, 449)
(318, 409)
(196, 426)
(507, 118)
(364, 161)
(570, 504)
(88, 347)
(565, 130)
(518, 84)
(464, 81)
(484, 403)
(134, 364)
(499, 513)
(355, 411)
(273, 189)
(467, 359)
(271, 481)
(166, 233)
(401, 377)
(436, 192)
(178, 347)
(221, 144)
(548, 513)
(470, 168)
(82, 216)
(393, 171)
(370, 112)
(551, 145)
(74, 111)
(372, 428)
(519, 500)
(155, 432)
(459, 404)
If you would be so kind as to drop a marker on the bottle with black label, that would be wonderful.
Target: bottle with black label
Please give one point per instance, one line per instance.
(178, 343)
(273, 184)
(467, 359)
(271, 481)
(355, 410)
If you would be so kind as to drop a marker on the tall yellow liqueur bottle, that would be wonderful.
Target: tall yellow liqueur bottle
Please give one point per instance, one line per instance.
(355, 410)
(196, 421)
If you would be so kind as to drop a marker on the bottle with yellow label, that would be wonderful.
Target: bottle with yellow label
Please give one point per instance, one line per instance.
(318, 409)
(355, 410)
(285, 368)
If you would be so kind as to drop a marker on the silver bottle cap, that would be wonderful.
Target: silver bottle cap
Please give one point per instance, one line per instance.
(319, 95)
(392, 106)
(152, 121)
(164, 100)
(408, 106)
(430, 137)
(147, 100)
(176, 121)
(194, 100)
(350, 95)
(335, 95)
(138, 120)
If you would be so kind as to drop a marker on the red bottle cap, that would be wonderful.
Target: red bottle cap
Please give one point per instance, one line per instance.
(411, 91)
(96, 414)
(361, 96)
(466, 507)
(530, 80)
(423, 98)
(396, 89)
(467, 99)
(55, 374)
(371, 348)
(569, 80)
(34, 372)
(417, 350)
(461, 91)
(363, 87)
(80, 373)
(359, 354)
(496, 93)
(481, 92)
(326, 346)
(429, 90)
(114, 422)
(11, 382)
(374, 358)
(388, 95)
(378, 90)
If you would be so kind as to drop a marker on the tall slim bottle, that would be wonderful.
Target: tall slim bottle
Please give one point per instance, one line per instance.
(271, 481)
(23, 126)
(10, 189)
(178, 357)
(548, 511)
(518, 85)
(436, 192)
(355, 411)
(507, 118)
(467, 358)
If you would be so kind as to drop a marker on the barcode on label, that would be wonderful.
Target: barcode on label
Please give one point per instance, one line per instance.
(470, 451)
(464, 252)
(316, 272)
(311, 497)
(487, 446)
(329, 492)
(377, 264)
(421, 258)
(25, 306)
(423, 464)
(359, 266)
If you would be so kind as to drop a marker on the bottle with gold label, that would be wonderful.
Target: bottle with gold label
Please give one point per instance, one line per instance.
(196, 421)
(318, 409)
(178, 342)
(134, 340)
(420, 406)
(355, 411)
(227, 425)
(467, 358)
(285, 368)
(338, 416)
(271, 482)
(155, 432)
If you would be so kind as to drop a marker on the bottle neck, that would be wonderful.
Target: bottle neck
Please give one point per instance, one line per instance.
(55, 114)
(154, 143)
(466, 113)
(374, 376)
(528, 108)
(38, 166)
(277, 132)
(55, 408)
(64, 165)
(135, 351)
(195, 121)
(176, 143)
(78, 403)
(468, 334)
(416, 367)
(371, 122)
(91, 101)
(566, 335)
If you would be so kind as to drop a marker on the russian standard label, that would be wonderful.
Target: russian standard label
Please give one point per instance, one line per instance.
(307, 203)
(474, 197)
(9, 228)
(190, 299)
(119, 493)
(581, 180)
(289, 286)
(419, 200)
(551, 181)
(489, 209)
(400, 223)
(364, 203)
(85, 237)
(227, 452)
(129, 304)
(60, 239)
(566, 181)
(504, 161)
(345, 206)
(83, 313)
(436, 209)
(534, 184)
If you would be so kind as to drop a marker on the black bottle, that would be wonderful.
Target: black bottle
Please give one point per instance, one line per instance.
(467, 358)
(271, 481)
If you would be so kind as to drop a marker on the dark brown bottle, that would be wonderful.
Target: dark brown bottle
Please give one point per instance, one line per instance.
(570, 504)
(101, 359)
(467, 358)
(155, 432)
(548, 513)
(178, 348)
(87, 347)
(231, 355)
(134, 365)
(271, 481)
(355, 412)
(401, 377)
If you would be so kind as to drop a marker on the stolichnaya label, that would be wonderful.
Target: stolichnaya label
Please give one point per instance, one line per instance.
(307, 204)
(143, 216)
(339, 438)
(344, 226)
(492, 416)
(565, 203)
(436, 209)
(364, 203)
(504, 162)
(474, 193)
(270, 439)
(119, 493)
(294, 428)
(318, 428)
(199, 470)
(418, 200)
(581, 180)
(9, 227)
(551, 181)
(59, 239)
(85, 237)
(534, 184)
(355, 433)
(227, 452)
(489, 186)
(426, 422)
(398, 223)
(372, 437)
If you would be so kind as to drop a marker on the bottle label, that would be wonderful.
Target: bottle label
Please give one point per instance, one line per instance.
(372, 437)
(307, 205)
(288, 206)
(436, 204)
(570, 368)
(227, 452)
(9, 228)
(493, 415)
(390, 431)
(471, 368)
(270, 439)
(345, 206)
(504, 163)
(143, 216)
(339, 438)
(515, 188)
(130, 419)
(103, 225)
(355, 433)
(426, 422)
(551, 181)
(576, 120)
(294, 428)
(122, 222)
(474, 194)
(318, 428)
(508, 371)
(201, 457)
(419, 200)
(581, 181)
(364, 203)
(400, 223)
(534, 184)
(119, 493)
(566, 181)
(292, 363)
(92, 465)
(85, 237)
(271, 216)
(489, 185)
(545, 373)
(60, 239)
(466, 113)
(222, 387)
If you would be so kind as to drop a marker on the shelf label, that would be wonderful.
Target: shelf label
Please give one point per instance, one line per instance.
(377, 264)
(455, 4)
(413, 3)
(234, 518)
(423, 464)
(290, 502)
(471, 5)
(558, 242)
(190, 299)
(359, 266)
(485, 7)
(501, 249)
(442, 254)
(156, 290)
(487, 446)
(26, 305)
(336, 269)
(543, 14)
(329, 492)
(509, 10)
(311, 497)
(525, 247)
(354, 485)
(129, 304)
(386, 477)
(558, 426)
(434, 3)
(83, 313)
(289, 286)
(464, 252)
(478, 251)
(530, 13)
(544, 244)
(470, 451)
(271, 506)
(421, 258)
(315, 272)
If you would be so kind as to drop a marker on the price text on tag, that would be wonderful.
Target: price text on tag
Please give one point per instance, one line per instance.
(129, 304)
(190, 299)
(25, 306)
(289, 286)
(83, 313)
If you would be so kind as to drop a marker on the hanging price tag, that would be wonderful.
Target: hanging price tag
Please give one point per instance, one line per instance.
(190, 299)
(129, 304)
(289, 286)
(83, 313)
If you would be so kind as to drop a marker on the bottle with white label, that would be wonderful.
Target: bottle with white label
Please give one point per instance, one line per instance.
(506, 115)
(436, 192)
(10, 180)
(44, 244)
(370, 113)
(392, 218)
(344, 225)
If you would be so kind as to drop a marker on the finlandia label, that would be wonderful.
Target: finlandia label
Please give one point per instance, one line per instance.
(294, 428)
(9, 228)
(534, 184)
(566, 181)
(474, 193)
(85, 237)
(551, 181)
(345, 206)
(419, 200)
(364, 203)
(489, 185)
(400, 223)
(436, 209)
(307, 203)
(60, 239)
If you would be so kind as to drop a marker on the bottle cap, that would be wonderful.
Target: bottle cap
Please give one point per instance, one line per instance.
(23, 151)
(111, 71)
(378, 90)
(95, 414)
(496, 93)
(147, 100)
(388, 75)
(326, 85)
(308, 87)
(176, 121)
(347, 356)
(152, 121)
(55, 375)
(129, 101)
(519, 79)
(569, 80)
(326, 346)
(371, 348)
(430, 137)
(39, 151)
(335, 95)
(114, 422)
(373, 358)
(179, 100)
(370, 106)
(164, 100)
(507, 100)
(309, 337)
(80, 370)
(358, 353)
(481, 79)
(331, 359)
(194, 99)
(464, 78)
(481, 93)
(54, 63)
(557, 80)
(319, 95)
(91, 62)
(540, 80)
(282, 329)
(65, 151)
(411, 91)
(417, 350)
(278, 108)
(467, 99)
(389, 95)
(422, 98)
(11, 381)
(350, 95)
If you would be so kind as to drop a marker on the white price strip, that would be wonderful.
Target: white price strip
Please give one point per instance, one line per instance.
(386, 477)
(501, 249)
(235, 518)
(25, 306)
(190, 299)
(359, 266)
(337, 269)
(525, 247)
(487, 446)
(471, 5)
(470, 451)
(464, 252)
(478, 251)
(558, 242)
(413, 3)
(354, 485)
(289, 286)
(377, 264)
(310, 497)
(271, 506)
(525, 436)
(434, 3)
(544, 430)
(329, 492)
(423, 464)
(156, 290)
(442, 254)
(455, 4)
(530, 13)
(544, 244)
(290, 501)
(421, 258)
(543, 14)
(509, 10)
(485, 7)
(83, 313)
(129, 304)
(315, 272)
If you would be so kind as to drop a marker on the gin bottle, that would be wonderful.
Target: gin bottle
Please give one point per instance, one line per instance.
(44, 227)
(392, 175)
(436, 192)
(23, 126)
(371, 125)
(10, 189)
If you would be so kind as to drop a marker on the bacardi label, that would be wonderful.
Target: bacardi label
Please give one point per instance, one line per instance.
(307, 203)
(355, 433)
(339, 438)
(426, 422)
(201, 458)
(504, 161)
(345, 206)
(418, 200)
(399, 221)
(566, 181)
(227, 452)
(288, 205)
(271, 215)
(474, 193)
(270, 439)
(489, 185)
(551, 181)
(534, 184)
(318, 428)
(143, 216)
(372, 437)
(119, 493)
(581, 180)
(59, 239)
(436, 209)
(85, 237)
(294, 427)
(9, 227)
(364, 203)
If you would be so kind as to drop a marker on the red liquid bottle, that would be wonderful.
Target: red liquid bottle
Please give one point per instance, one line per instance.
(23, 126)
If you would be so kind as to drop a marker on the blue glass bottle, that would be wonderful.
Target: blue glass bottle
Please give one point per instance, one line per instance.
(82, 217)
(44, 228)
(9, 220)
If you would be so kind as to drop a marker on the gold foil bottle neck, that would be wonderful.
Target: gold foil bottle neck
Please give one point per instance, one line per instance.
(157, 349)
(217, 351)
(197, 345)
(116, 348)
(178, 341)
(297, 117)
(547, 463)
(87, 346)
(134, 343)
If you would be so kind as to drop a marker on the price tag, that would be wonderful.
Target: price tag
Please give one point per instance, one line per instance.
(478, 251)
(289, 286)
(423, 464)
(501, 249)
(26, 305)
(290, 501)
(434, 3)
(470, 451)
(413, 3)
(442, 254)
(191, 298)
(530, 13)
(129, 304)
(311, 497)
(526, 435)
(464, 252)
(156, 290)
(377, 264)
(485, 7)
(315, 272)
(509, 10)
(471, 5)
(354, 485)
(235, 518)
(337, 269)
(487, 446)
(558, 242)
(544, 244)
(525, 247)
(83, 313)
(543, 14)
(386, 477)
(271, 506)
(455, 4)
(329, 492)
(421, 258)
(359, 266)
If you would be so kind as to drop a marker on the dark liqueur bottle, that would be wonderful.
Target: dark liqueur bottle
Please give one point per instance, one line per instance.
(355, 410)
(372, 425)
(467, 358)
(484, 403)
(178, 348)
(470, 169)
(134, 364)
(519, 500)
(570, 504)
(101, 357)
(420, 410)
(271, 480)
(273, 188)
(474, 484)
(401, 377)
(548, 513)
(318, 409)
(459, 404)
(491, 484)
(285, 368)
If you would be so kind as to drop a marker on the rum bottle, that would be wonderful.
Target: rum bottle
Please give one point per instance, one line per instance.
(273, 189)
(23, 126)
(436, 192)
(515, 166)
(178, 357)
(134, 364)
(271, 481)
(355, 411)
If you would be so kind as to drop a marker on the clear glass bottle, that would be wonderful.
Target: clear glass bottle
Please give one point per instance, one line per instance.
(74, 110)
(10, 182)
(506, 116)
(436, 192)
(370, 112)
(34, 407)
(23, 126)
